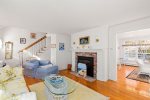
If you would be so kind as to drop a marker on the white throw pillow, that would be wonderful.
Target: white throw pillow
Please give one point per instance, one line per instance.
(46, 66)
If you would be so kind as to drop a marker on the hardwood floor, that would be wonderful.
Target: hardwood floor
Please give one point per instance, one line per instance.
(122, 89)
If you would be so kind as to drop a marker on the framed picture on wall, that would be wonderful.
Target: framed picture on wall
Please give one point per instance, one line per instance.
(33, 35)
(61, 46)
(84, 40)
(8, 50)
(22, 40)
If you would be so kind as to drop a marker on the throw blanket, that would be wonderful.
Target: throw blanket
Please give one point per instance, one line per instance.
(12, 82)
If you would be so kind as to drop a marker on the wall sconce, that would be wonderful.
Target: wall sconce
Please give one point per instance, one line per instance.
(74, 43)
(97, 40)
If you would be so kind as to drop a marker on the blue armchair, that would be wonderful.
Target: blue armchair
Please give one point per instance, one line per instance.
(39, 68)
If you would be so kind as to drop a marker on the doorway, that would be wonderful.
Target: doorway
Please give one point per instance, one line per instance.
(138, 24)
(133, 49)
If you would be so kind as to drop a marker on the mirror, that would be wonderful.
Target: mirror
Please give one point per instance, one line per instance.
(8, 50)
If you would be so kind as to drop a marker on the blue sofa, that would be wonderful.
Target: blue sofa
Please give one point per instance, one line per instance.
(39, 68)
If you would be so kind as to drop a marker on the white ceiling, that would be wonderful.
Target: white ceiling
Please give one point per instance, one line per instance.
(69, 16)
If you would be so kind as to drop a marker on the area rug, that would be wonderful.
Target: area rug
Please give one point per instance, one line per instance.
(90, 79)
(81, 93)
(134, 75)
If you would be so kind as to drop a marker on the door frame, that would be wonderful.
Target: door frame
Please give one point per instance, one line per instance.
(134, 25)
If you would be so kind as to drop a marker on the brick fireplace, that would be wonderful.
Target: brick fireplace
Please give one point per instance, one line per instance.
(88, 58)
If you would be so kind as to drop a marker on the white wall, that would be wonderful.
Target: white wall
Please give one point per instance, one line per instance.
(119, 50)
(1, 50)
(101, 48)
(53, 50)
(1, 47)
(13, 35)
(63, 58)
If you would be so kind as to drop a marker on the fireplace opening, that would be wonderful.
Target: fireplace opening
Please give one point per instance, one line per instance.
(86, 65)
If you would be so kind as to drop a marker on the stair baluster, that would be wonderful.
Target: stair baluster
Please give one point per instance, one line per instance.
(39, 48)
(42, 43)
(45, 43)
(32, 52)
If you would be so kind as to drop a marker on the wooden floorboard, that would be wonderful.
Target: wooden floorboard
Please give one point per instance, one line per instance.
(122, 89)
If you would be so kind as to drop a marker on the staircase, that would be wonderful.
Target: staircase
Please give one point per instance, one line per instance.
(33, 50)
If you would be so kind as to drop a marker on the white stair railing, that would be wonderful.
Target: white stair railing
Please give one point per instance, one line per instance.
(32, 51)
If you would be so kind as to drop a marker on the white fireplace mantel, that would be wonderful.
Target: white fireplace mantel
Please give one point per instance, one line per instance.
(86, 50)
(100, 61)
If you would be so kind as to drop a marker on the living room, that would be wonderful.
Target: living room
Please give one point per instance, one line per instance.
(62, 50)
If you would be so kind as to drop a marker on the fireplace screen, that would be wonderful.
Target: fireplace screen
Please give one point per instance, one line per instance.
(85, 65)
(82, 69)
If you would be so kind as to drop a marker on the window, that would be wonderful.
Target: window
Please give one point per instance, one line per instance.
(0, 43)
